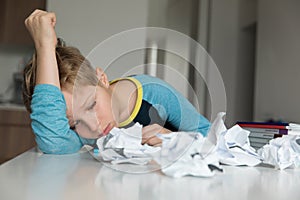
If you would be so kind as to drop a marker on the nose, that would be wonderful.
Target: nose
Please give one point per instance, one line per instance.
(92, 123)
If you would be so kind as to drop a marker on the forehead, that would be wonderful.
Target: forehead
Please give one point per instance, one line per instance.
(75, 99)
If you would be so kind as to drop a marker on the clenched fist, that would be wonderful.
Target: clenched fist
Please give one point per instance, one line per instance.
(41, 25)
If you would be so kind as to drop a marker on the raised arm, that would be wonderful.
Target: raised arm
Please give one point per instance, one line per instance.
(41, 26)
(47, 104)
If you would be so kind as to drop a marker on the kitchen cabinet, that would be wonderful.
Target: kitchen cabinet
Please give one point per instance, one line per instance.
(16, 135)
(12, 16)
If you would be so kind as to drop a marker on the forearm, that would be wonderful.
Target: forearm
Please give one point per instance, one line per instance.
(47, 69)
(49, 122)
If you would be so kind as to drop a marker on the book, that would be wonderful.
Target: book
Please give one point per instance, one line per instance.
(259, 140)
(261, 135)
(266, 126)
(267, 130)
(262, 132)
(256, 145)
(273, 131)
(293, 127)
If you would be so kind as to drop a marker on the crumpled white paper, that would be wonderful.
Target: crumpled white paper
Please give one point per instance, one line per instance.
(282, 153)
(188, 153)
(232, 145)
(234, 148)
(182, 153)
(124, 146)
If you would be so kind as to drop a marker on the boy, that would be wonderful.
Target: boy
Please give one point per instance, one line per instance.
(73, 104)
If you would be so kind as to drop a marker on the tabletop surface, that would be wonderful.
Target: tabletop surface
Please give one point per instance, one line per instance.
(34, 175)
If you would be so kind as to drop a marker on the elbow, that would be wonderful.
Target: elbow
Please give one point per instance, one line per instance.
(53, 139)
(50, 144)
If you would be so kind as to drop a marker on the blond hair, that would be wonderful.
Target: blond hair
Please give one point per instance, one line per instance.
(72, 67)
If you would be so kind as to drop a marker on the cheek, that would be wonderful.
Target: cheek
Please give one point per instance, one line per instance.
(103, 108)
(85, 132)
(82, 134)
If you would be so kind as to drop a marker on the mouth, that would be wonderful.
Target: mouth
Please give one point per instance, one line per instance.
(107, 129)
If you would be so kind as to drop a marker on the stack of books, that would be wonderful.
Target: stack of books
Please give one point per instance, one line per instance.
(262, 132)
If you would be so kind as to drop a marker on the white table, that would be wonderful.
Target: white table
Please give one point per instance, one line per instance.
(33, 175)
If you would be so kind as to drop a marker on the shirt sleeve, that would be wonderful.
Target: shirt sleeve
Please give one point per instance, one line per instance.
(185, 115)
(50, 123)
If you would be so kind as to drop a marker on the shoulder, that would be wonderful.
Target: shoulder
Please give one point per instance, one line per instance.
(156, 90)
(151, 82)
(144, 78)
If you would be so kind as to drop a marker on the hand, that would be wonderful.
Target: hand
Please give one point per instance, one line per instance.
(149, 134)
(40, 25)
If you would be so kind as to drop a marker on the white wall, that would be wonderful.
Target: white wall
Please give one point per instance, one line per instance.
(229, 48)
(223, 46)
(277, 93)
(178, 16)
(173, 15)
(85, 24)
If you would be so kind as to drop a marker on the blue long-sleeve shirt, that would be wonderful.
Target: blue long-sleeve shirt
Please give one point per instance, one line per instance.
(157, 102)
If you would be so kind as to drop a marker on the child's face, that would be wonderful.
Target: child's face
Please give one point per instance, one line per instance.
(90, 112)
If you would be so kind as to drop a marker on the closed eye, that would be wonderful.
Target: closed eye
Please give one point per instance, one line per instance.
(92, 106)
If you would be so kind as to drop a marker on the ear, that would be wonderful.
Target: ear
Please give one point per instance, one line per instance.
(102, 77)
